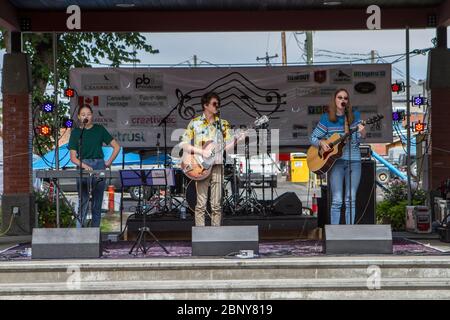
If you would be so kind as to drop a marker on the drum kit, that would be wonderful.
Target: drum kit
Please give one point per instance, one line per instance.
(238, 195)
(230, 191)
(183, 193)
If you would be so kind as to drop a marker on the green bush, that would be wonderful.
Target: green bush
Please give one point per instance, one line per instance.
(392, 208)
(47, 212)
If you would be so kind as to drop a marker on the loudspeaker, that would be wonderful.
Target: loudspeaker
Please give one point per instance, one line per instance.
(358, 239)
(365, 198)
(287, 203)
(66, 243)
(25, 220)
(224, 240)
(16, 74)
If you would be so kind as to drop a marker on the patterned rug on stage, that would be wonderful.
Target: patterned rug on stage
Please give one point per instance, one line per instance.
(272, 248)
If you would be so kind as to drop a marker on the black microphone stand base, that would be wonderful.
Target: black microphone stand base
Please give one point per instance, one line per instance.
(140, 243)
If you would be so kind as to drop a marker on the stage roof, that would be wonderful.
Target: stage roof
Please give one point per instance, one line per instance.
(221, 15)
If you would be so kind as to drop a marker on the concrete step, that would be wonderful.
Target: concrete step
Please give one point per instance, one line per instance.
(234, 289)
(426, 277)
(224, 269)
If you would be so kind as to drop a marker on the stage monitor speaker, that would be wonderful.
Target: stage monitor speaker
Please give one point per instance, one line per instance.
(365, 198)
(287, 203)
(224, 240)
(65, 243)
(358, 239)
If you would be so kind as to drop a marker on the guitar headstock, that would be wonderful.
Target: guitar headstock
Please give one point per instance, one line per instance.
(374, 119)
(261, 121)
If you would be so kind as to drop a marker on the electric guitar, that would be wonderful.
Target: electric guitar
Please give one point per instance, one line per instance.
(320, 161)
(198, 168)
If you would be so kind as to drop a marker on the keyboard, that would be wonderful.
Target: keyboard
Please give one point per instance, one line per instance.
(61, 174)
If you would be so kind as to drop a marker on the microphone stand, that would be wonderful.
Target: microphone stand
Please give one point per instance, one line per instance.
(349, 164)
(222, 147)
(164, 123)
(80, 156)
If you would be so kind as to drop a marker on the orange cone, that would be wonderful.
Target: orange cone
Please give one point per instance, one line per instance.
(111, 199)
(314, 205)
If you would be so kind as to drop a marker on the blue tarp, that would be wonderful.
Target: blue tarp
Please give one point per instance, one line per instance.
(131, 158)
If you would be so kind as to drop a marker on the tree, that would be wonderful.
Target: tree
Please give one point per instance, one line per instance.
(74, 50)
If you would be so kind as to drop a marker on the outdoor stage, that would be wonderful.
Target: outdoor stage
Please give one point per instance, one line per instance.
(285, 269)
(171, 227)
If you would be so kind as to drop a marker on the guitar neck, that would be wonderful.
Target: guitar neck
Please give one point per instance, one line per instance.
(257, 123)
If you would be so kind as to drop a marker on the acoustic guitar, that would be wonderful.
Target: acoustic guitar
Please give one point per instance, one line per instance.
(198, 168)
(320, 161)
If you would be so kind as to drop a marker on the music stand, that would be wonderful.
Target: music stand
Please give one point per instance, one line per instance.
(137, 178)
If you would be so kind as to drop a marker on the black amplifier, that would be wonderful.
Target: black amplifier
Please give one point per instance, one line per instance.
(444, 233)
(366, 152)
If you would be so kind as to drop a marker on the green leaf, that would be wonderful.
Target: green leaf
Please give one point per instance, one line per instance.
(75, 50)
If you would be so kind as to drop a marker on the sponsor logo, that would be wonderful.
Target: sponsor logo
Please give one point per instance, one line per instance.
(314, 91)
(374, 135)
(129, 136)
(105, 118)
(317, 109)
(299, 134)
(299, 130)
(152, 121)
(365, 87)
(320, 76)
(118, 101)
(90, 101)
(148, 81)
(369, 74)
(372, 109)
(298, 77)
(341, 75)
(108, 81)
(152, 101)
(299, 127)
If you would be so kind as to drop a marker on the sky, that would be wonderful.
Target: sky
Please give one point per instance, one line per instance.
(243, 47)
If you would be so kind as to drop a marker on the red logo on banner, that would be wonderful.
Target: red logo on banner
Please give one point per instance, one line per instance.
(320, 76)
(90, 101)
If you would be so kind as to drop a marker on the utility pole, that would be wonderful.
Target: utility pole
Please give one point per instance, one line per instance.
(372, 56)
(56, 121)
(195, 60)
(267, 58)
(283, 48)
(408, 121)
(309, 47)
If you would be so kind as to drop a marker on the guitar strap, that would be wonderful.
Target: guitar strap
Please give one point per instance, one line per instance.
(220, 141)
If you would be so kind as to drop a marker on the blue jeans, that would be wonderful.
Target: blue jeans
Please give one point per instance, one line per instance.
(95, 187)
(338, 174)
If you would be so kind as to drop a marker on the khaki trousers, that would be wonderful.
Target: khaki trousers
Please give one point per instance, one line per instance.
(214, 180)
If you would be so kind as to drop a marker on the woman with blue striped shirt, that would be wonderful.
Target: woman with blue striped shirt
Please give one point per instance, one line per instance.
(335, 122)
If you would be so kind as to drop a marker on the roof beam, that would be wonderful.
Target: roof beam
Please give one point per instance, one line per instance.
(8, 16)
(204, 21)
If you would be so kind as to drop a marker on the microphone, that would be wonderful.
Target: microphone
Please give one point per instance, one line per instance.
(85, 120)
(344, 104)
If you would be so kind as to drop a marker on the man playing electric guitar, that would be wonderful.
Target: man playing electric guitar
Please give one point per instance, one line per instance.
(207, 136)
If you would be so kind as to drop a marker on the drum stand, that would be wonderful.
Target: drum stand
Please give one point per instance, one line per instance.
(251, 204)
(230, 202)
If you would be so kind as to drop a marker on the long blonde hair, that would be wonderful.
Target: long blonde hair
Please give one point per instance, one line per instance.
(332, 108)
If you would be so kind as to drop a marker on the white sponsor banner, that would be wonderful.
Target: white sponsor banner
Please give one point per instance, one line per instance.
(132, 103)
